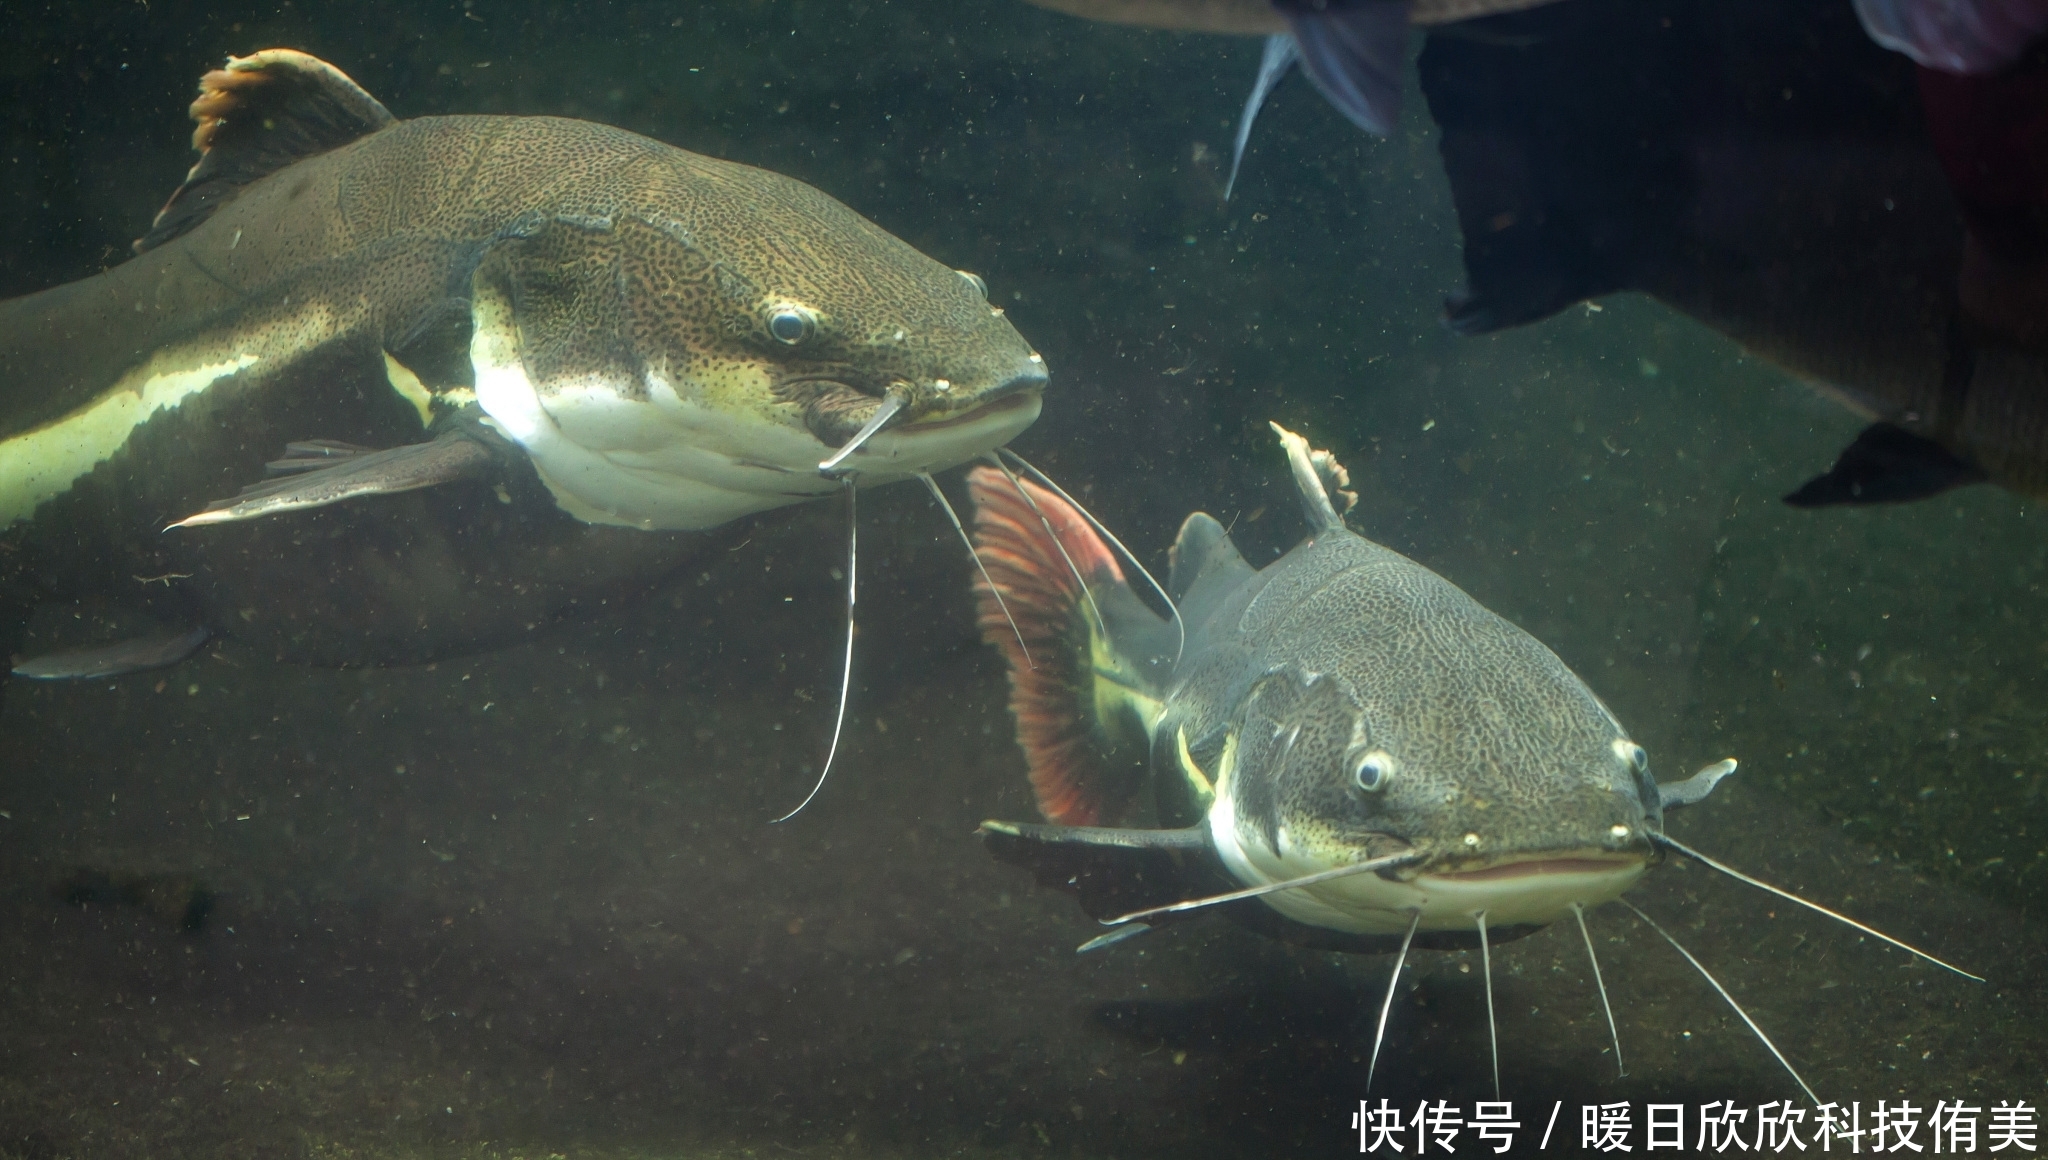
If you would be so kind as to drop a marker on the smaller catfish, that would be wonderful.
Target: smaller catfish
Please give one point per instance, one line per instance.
(1342, 749)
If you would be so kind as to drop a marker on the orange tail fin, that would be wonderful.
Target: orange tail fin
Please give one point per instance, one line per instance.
(1051, 688)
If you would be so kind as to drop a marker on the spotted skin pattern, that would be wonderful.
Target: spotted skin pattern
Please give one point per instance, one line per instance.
(1501, 780)
(337, 297)
(1352, 647)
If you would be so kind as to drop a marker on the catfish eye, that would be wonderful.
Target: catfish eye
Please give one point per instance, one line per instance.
(1632, 753)
(974, 280)
(1372, 770)
(791, 325)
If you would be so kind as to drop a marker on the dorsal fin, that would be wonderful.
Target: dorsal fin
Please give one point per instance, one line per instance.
(1322, 482)
(1202, 548)
(257, 115)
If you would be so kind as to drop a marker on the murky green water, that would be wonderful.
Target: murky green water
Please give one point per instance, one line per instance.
(527, 904)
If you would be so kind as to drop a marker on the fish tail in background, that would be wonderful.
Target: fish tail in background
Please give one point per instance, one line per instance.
(1354, 51)
(1065, 684)
(1955, 36)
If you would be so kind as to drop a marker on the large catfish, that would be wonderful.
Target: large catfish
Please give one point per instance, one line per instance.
(1341, 749)
(576, 348)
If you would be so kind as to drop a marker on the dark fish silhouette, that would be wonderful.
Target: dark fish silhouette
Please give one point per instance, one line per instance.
(1767, 169)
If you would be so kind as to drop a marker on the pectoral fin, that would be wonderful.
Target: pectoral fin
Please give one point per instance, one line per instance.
(1111, 871)
(112, 660)
(321, 472)
(1887, 464)
(1280, 55)
(1355, 54)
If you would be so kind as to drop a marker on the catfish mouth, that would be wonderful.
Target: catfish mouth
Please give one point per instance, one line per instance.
(1012, 398)
(834, 411)
(1531, 890)
(1536, 867)
(1535, 889)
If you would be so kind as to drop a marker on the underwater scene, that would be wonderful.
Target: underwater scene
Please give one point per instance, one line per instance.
(1140, 578)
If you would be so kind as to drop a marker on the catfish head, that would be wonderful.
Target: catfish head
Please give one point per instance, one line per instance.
(1514, 792)
(692, 341)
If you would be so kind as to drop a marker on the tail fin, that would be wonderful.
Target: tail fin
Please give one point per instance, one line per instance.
(1082, 766)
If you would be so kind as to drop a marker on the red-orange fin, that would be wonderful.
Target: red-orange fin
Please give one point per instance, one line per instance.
(255, 116)
(1052, 690)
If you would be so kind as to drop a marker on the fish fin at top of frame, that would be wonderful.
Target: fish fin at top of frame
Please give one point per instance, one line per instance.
(1355, 53)
(1965, 37)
